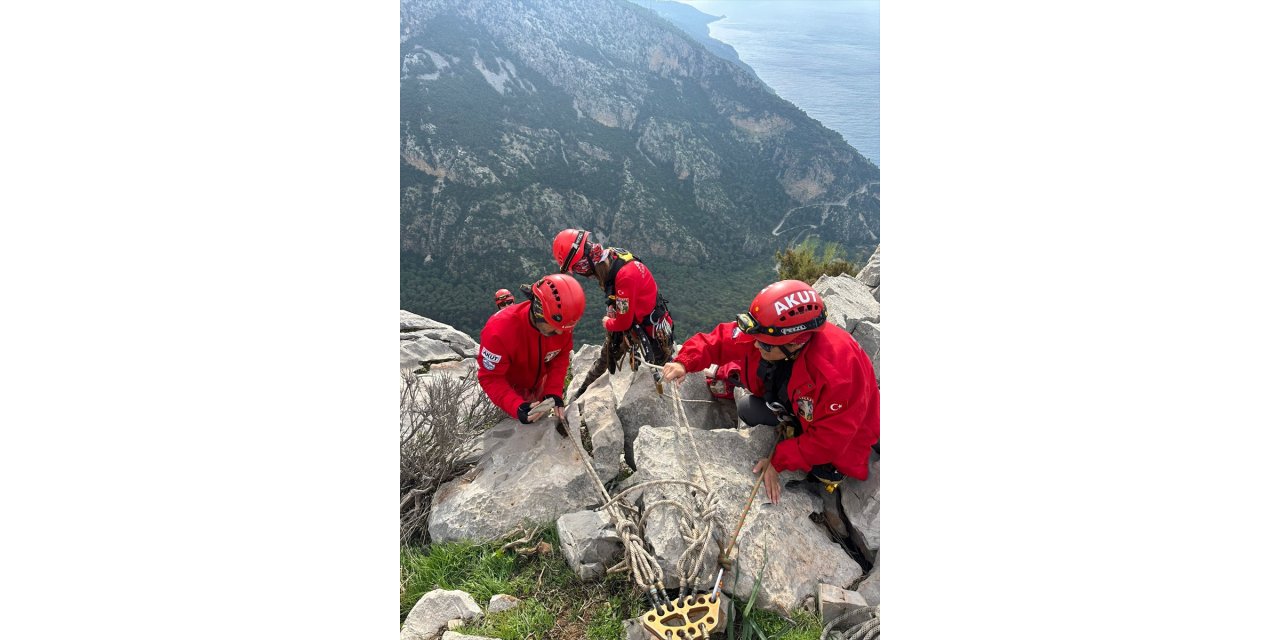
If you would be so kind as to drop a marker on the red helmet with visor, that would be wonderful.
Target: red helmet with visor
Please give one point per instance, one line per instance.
(783, 312)
(569, 247)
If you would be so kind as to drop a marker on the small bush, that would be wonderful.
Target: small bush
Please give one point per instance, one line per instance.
(440, 418)
(803, 263)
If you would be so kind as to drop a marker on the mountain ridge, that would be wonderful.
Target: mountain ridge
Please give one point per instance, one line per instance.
(520, 119)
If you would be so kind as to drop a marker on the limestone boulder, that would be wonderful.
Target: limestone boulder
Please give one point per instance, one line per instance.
(456, 369)
(433, 611)
(860, 500)
(633, 628)
(581, 362)
(424, 352)
(848, 301)
(643, 405)
(525, 474)
(790, 552)
(868, 336)
(413, 324)
(501, 602)
(870, 274)
(604, 440)
(425, 342)
(870, 587)
(834, 602)
(588, 543)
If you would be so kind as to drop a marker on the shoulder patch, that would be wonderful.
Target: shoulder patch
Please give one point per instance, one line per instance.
(804, 406)
(491, 359)
(622, 305)
(736, 332)
(551, 355)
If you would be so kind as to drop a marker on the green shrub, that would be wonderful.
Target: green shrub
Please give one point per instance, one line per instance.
(803, 263)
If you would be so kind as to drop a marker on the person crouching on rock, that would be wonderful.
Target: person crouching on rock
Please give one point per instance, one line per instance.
(809, 378)
(525, 348)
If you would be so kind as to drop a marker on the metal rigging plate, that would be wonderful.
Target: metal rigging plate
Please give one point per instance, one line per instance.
(696, 617)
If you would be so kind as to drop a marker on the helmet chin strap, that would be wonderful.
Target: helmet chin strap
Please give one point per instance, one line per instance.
(790, 355)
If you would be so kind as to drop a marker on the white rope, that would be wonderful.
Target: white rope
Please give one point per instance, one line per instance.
(696, 531)
(696, 525)
(644, 567)
(868, 629)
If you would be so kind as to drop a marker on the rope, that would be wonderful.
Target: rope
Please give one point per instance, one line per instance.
(868, 629)
(724, 555)
(696, 525)
(644, 567)
(696, 531)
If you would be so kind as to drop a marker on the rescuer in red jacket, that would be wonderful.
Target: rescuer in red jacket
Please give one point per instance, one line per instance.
(632, 298)
(525, 348)
(810, 378)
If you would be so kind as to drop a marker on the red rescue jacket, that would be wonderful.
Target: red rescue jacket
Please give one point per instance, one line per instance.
(635, 294)
(519, 364)
(832, 390)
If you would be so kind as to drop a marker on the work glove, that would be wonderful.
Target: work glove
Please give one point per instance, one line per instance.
(529, 413)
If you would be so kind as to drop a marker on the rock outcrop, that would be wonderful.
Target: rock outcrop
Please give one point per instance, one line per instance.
(861, 504)
(870, 587)
(525, 474)
(433, 612)
(588, 543)
(870, 274)
(427, 344)
(790, 552)
(642, 405)
(851, 307)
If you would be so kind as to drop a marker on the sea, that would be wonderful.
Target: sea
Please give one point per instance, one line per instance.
(821, 55)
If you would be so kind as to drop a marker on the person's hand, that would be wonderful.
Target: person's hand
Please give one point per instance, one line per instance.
(772, 487)
(673, 371)
(604, 322)
(559, 402)
(530, 413)
(522, 413)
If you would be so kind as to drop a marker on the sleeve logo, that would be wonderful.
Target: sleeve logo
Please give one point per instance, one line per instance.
(804, 406)
(491, 359)
(550, 355)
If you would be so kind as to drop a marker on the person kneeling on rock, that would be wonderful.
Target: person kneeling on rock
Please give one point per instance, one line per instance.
(808, 378)
(525, 348)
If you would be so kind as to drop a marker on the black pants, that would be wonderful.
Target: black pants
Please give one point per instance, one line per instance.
(755, 413)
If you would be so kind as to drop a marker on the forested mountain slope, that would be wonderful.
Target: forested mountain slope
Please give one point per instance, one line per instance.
(523, 117)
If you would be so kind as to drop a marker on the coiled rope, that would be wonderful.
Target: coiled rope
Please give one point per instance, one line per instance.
(695, 525)
(868, 629)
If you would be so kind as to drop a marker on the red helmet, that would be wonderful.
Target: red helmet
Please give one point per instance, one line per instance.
(783, 311)
(569, 247)
(558, 300)
(502, 298)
